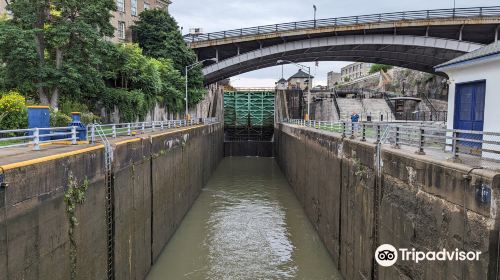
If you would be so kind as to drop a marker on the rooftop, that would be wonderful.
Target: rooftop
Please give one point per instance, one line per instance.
(483, 52)
(300, 75)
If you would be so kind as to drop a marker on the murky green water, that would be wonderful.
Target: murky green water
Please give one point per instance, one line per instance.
(246, 224)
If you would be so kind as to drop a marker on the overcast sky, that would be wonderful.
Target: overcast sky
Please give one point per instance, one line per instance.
(219, 15)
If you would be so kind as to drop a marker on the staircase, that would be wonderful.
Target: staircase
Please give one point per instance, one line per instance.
(377, 107)
(348, 106)
(364, 107)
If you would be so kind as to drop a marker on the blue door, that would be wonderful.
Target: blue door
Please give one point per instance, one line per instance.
(469, 111)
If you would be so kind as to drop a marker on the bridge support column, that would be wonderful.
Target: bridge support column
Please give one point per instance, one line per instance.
(496, 33)
(217, 54)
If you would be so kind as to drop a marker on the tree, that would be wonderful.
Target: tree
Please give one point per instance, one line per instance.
(158, 35)
(17, 58)
(137, 82)
(67, 34)
(379, 67)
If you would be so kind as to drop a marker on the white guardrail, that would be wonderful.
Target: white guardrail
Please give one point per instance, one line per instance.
(38, 136)
(421, 135)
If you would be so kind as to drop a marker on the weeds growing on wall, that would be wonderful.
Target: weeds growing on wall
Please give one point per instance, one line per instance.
(75, 195)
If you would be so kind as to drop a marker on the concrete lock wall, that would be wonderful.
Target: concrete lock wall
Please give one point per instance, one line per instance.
(155, 181)
(412, 201)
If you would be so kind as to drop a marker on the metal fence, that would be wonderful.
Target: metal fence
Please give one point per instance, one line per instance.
(36, 137)
(340, 21)
(471, 147)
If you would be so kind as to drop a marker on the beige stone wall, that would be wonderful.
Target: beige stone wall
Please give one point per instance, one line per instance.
(2, 7)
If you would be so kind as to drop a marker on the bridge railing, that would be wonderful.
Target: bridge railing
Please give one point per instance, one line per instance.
(475, 148)
(352, 20)
(37, 137)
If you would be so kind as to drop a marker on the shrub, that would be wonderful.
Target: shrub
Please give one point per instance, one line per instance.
(88, 118)
(68, 106)
(59, 119)
(379, 67)
(13, 113)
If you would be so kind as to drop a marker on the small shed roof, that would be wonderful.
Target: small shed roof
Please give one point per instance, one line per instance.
(489, 50)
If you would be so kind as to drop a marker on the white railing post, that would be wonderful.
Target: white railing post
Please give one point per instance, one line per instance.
(129, 129)
(114, 131)
(92, 133)
(162, 125)
(152, 125)
(36, 140)
(73, 135)
(143, 128)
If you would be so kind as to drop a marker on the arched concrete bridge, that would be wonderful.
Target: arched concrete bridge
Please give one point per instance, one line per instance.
(417, 40)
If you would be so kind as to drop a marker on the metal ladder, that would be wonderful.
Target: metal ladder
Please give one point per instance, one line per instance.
(110, 211)
(378, 193)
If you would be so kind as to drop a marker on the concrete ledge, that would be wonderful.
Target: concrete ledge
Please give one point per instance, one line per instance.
(155, 180)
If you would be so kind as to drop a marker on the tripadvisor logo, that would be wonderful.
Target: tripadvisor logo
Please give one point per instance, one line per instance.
(387, 255)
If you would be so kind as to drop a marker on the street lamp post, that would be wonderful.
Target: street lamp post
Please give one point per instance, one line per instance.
(189, 67)
(404, 80)
(314, 7)
(309, 84)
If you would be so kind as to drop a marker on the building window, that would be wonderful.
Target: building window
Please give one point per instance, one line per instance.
(120, 5)
(121, 30)
(146, 6)
(133, 7)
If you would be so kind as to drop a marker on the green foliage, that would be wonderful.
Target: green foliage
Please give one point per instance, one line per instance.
(13, 112)
(68, 106)
(17, 58)
(61, 55)
(55, 52)
(379, 67)
(59, 119)
(158, 35)
(140, 82)
(88, 118)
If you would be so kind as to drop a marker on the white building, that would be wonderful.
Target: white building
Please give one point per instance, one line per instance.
(474, 94)
(355, 71)
(300, 80)
(333, 78)
(282, 84)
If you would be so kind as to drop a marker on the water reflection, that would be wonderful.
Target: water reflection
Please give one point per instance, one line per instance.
(246, 224)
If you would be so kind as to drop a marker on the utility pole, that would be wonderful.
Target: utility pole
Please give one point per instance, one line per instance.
(189, 67)
(309, 83)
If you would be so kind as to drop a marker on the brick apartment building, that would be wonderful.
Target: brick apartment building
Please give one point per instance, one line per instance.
(127, 11)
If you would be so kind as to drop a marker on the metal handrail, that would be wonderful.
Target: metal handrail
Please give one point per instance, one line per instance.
(352, 20)
(38, 136)
(423, 135)
(130, 129)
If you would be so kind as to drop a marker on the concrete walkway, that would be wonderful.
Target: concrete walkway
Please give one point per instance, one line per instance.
(20, 156)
